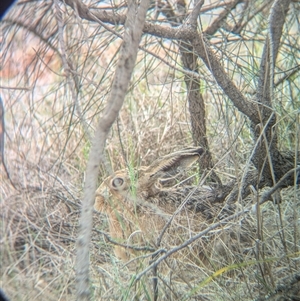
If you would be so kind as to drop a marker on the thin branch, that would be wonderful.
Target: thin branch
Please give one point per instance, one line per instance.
(184, 71)
(192, 18)
(265, 197)
(191, 240)
(287, 74)
(212, 62)
(34, 31)
(266, 75)
(115, 19)
(126, 246)
(215, 26)
(253, 14)
(168, 223)
(132, 35)
(72, 79)
(2, 143)
(276, 22)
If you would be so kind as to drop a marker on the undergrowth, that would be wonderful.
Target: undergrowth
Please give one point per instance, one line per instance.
(46, 150)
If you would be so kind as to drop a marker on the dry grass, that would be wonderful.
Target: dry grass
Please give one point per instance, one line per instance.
(46, 151)
(39, 225)
(243, 267)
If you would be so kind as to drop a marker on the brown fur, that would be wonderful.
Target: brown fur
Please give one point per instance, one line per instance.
(138, 218)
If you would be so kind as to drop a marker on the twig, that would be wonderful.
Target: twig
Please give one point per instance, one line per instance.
(173, 215)
(212, 29)
(69, 71)
(126, 246)
(191, 240)
(2, 143)
(266, 195)
(245, 211)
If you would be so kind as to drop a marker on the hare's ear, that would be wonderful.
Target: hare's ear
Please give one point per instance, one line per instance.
(173, 163)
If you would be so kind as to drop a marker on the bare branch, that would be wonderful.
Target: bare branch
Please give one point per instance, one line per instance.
(288, 74)
(183, 32)
(2, 147)
(265, 87)
(192, 18)
(132, 35)
(126, 246)
(71, 77)
(113, 18)
(34, 31)
(266, 195)
(191, 240)
(226, 84)
(266, 75)
(214, 226)
(277, 19)
(212, 29)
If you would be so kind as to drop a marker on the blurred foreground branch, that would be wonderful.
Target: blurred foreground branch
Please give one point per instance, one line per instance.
(132, 35)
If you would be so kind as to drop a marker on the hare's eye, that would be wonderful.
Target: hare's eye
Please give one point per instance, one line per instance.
(117, 182)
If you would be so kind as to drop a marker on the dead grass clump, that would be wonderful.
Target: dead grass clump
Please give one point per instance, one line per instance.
(39, 233)
(241, 260)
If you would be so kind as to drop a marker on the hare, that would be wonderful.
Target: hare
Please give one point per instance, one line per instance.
(138, 210)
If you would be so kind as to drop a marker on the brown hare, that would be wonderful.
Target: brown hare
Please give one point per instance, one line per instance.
(139, 206)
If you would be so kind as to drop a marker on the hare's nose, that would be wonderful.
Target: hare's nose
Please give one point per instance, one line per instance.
(105, 193)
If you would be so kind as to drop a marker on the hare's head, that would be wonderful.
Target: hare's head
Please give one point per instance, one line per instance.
(129, 203)
(148, 179)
